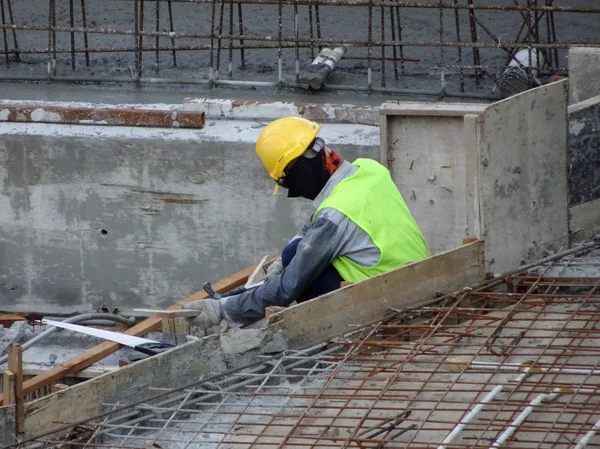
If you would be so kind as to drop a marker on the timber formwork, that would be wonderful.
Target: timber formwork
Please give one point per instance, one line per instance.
(513, 362)
(468, 38)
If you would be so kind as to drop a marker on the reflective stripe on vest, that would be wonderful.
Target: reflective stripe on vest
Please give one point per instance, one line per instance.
(371, 200)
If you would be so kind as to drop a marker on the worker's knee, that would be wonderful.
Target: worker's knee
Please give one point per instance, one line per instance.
(289, 252)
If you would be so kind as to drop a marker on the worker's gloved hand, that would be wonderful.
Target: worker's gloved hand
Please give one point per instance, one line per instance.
(210, 313)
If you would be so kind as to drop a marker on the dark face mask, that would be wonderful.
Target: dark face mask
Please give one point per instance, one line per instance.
(307, 177)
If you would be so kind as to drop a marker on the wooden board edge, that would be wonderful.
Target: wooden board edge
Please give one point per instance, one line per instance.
(471, 272)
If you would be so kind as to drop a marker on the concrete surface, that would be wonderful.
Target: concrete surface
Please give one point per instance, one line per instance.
(584, 74)
(7, 425)
(423, 145)
(133, 217)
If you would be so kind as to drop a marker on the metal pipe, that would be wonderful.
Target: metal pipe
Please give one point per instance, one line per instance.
(74, 319)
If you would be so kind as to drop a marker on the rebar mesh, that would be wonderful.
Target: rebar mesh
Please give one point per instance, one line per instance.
(395, 46)
(514, 365)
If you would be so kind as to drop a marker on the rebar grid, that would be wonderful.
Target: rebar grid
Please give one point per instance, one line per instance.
(513, 365)
(226, 41)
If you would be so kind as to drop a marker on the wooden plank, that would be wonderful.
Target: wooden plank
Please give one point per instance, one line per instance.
(523, 177)
(431, 109)
(8, 386)
(175, 329)
(152, 324)
(15, 364)
(362, 303)
(7, 319)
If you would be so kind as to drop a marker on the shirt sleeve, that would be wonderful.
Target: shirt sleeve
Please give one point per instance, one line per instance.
(321, 243)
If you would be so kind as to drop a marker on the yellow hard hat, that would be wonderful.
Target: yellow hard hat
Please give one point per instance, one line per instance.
(282, 141)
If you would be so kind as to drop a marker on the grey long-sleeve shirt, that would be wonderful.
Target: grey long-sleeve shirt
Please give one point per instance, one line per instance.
(328, 235)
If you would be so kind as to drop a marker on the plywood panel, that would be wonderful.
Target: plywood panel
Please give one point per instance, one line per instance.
(523, 169)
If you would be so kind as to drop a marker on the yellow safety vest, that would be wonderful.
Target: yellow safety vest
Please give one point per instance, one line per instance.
(370, 199)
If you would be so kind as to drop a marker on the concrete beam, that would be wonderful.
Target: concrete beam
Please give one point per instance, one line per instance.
(84, 115)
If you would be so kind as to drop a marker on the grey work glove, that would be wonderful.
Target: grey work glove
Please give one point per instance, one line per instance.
(210, 313)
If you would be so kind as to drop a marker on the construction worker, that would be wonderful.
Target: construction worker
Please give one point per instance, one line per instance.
(361, 226)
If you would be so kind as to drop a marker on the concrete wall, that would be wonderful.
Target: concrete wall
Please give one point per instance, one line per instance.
(584, 73)
(127, 217)
(523, 176)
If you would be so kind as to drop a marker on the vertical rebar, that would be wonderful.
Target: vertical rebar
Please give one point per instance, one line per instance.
(241, 27)
(221, 13)
(72, 23)
(311, 30)
(473, 26)
(394, 49)
(230, 65)
(136, 36)
(172, 30)
(536, 28)
(382, 46)
(369, 48)
(141, 37)
(211, 74)
(399, 25)
(442, 59)
(318, 19)
(549, 37)
(279, 61)
(296, 48)
(14, 32)
(554, 35)
(85, 35)
(459, 49)
(157, 40)
(529, 42)
(51, 22)
(5, 35)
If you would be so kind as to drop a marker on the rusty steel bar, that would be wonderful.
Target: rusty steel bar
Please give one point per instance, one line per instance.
(102, 116)
(241, 31)
(157, 42)
(459, 49)
(4, 33)
(72, 23)
(416, 5)
(85, 34)
(230, 62)
(321, 41)
(383, 58)
(172, 31)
